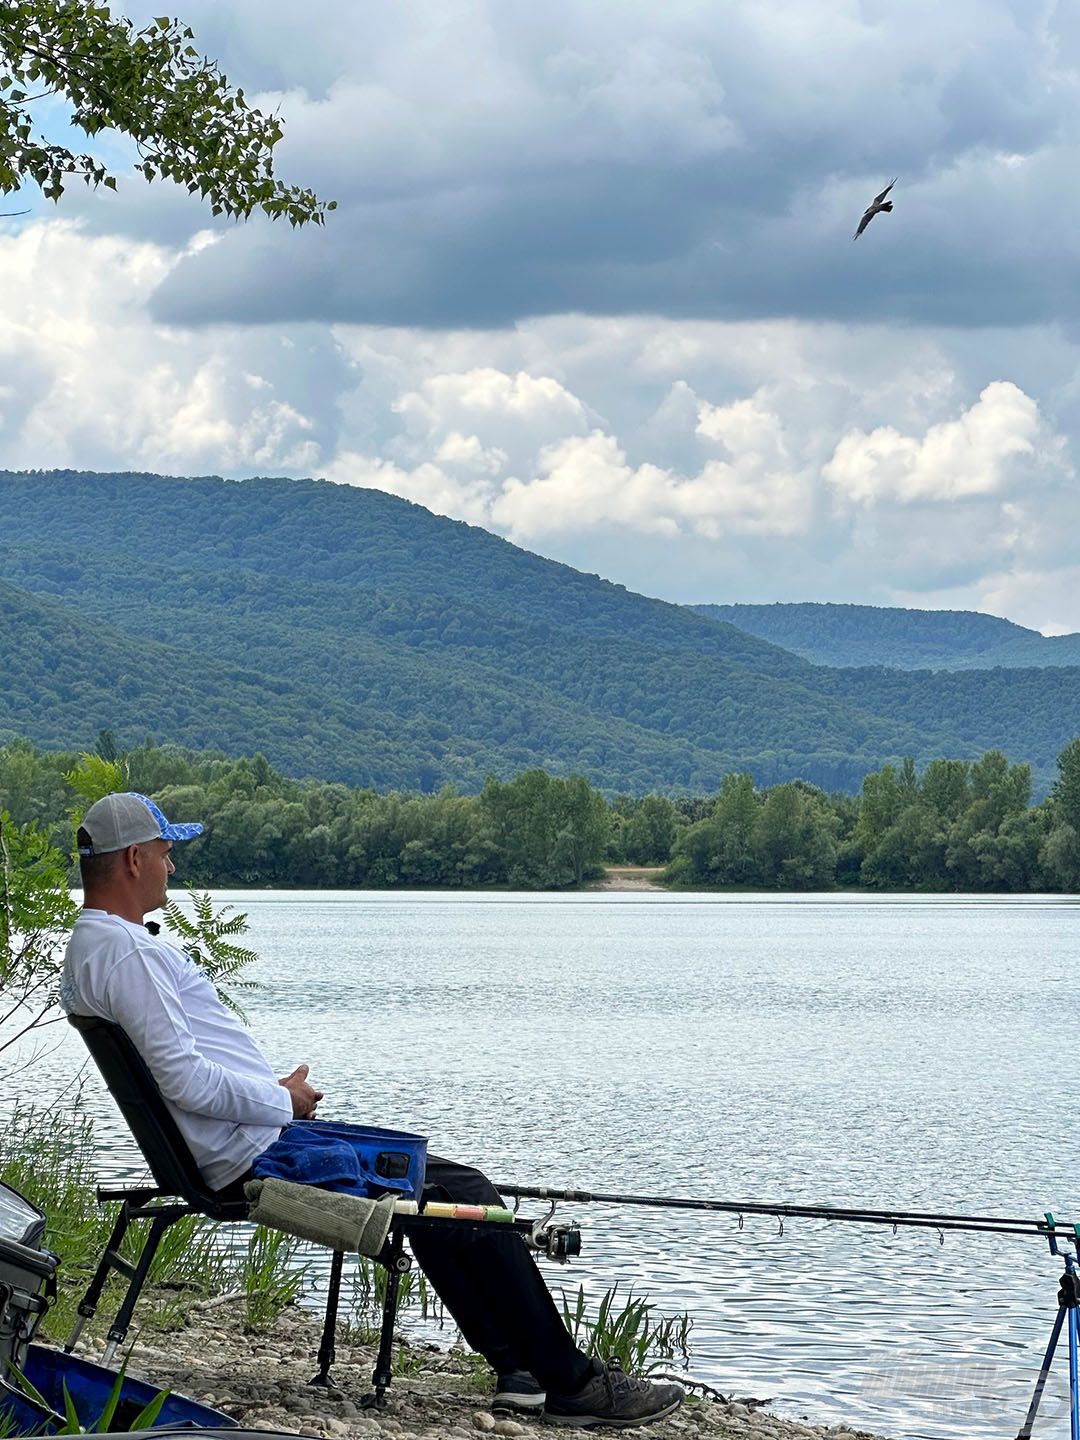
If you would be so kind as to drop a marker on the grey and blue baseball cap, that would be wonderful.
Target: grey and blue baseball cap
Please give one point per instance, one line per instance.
(126, 818)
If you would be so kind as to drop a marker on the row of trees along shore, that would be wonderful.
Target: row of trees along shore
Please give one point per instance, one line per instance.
(957, 825)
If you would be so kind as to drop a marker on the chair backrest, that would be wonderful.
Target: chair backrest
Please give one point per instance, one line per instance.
(143, 1106)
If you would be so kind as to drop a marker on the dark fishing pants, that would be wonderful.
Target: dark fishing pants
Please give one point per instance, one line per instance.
(492, 1287)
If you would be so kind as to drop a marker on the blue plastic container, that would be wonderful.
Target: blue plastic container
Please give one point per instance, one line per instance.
(393, 1159)
(90, 1386)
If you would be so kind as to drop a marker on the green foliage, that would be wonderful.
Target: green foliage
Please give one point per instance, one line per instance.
(349, 635)
(207, 939)
(547, 832)
(956, 825)
(36, 913)
(1065, 796)
(151, 85)
(857, 635)
(47, 1154)
(270, 1276)
(105, 1420)
(1061, 853)
(92, 779)
(632, 1331)
(649, 833)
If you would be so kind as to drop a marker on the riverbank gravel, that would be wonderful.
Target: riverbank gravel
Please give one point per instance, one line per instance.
(261, 1379)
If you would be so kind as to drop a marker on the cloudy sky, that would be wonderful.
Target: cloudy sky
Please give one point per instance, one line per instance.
(591, 285)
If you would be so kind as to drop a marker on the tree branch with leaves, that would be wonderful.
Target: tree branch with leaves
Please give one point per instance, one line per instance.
(189, 124)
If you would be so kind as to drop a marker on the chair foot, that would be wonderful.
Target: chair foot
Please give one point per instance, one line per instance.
(324, 1379)
(372, 1402)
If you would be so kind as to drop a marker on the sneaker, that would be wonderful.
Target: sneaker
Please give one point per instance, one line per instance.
(611, 1397)
(517, 1390)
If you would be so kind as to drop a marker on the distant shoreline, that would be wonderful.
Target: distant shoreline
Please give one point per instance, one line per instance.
(628, 877)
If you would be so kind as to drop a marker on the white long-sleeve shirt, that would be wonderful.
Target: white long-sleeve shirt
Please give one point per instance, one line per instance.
(216, 1081)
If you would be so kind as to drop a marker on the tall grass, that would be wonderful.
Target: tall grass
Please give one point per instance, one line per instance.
(49, 1155)
(631, 1331)
(269, 1276)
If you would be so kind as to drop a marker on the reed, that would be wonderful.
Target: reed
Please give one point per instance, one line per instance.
(630, 1330)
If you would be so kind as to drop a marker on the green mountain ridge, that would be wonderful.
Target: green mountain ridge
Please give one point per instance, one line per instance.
(376, 643)
(871, 635)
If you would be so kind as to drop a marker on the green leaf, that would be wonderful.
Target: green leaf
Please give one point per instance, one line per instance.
(27, 1386)
(74, 1424)
(108, 1410)
(149, 1413)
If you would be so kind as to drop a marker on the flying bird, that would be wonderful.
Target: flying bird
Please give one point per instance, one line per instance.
(879, 203)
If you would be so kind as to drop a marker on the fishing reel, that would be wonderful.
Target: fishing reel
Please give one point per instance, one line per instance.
(559, 1242)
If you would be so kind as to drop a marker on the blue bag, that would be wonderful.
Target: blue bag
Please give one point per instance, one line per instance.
(354, 1159)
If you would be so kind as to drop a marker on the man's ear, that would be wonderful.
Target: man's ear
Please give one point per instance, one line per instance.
(131, 860)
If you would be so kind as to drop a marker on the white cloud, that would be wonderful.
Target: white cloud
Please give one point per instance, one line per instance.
(1046, 600)
(693, 459)
(427, 484)
(516, 412)
(585, 481)
(955, 460)
(93, 382)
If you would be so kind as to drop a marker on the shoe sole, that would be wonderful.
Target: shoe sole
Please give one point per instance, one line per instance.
(521, 1404)
(581, 1422)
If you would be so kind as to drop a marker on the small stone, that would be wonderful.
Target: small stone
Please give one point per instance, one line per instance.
(483, 1421)
(508, 1427)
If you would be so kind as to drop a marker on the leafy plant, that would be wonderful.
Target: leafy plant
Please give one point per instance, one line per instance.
(641, 1339)
(152, 85)
(73, 1423)
(91, 779)
(206, 938)
(408, 1360)
(270, 1276)
(36, 913)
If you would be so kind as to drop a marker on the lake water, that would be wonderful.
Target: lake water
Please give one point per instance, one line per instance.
(911, 1053)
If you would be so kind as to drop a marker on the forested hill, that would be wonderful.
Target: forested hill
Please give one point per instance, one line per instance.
(853, 635)
(349, 635)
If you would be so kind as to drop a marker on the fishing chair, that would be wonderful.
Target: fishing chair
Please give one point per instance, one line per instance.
(180, 1190)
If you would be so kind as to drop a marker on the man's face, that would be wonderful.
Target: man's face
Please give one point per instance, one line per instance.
(156, 868)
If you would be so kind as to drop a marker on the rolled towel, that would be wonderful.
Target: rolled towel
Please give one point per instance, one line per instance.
(342, 1222)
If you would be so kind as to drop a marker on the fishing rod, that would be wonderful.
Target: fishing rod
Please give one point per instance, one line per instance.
(1068, 1313)
(989, 1224)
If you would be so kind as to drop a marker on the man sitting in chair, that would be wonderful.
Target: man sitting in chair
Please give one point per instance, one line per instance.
(230, 1107)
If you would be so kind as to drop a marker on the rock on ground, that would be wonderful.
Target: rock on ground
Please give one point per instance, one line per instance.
(261, 1379)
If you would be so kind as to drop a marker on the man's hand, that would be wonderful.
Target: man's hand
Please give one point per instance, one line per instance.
(304, 1096)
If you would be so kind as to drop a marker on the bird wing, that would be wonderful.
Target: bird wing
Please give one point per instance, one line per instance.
(878, 198)
(864, 222)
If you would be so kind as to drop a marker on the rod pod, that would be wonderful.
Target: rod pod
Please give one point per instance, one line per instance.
(1068, 1307)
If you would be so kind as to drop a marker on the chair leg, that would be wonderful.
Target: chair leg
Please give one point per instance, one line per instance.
(396, 1262)
(326, 1346)
(110, 1260)
(119, 1328)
